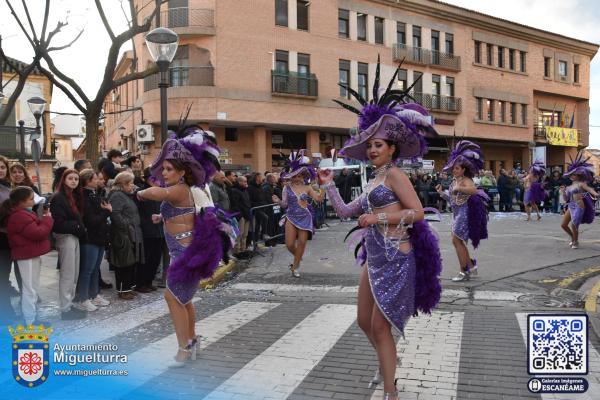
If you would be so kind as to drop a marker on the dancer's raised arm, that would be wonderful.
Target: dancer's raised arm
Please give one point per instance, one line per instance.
(343, 210)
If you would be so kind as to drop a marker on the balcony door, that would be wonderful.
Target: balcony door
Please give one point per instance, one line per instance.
(178, 13)
(180, 67)
(303, 73)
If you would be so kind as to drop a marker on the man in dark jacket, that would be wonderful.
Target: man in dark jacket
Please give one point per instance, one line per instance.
(218, 191)
(240, 203)
(258, 198)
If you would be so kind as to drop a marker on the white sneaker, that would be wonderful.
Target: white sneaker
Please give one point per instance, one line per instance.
(85, 306)
(100, 301)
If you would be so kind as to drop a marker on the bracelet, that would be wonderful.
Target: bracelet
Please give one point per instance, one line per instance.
(382, 218)
(328, 185)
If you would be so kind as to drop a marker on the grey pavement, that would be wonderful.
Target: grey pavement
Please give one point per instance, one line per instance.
(268, 335)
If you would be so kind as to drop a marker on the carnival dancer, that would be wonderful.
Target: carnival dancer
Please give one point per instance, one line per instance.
(297, 193)
(469, 205)
(580, 204)
(534, 192)
(402, 253)
(198, 235)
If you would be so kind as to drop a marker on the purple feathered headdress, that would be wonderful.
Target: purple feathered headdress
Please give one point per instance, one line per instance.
(298, 163)
(388, 116)
(581, 167)
(468, 155)
(538, 168)
(192, 146)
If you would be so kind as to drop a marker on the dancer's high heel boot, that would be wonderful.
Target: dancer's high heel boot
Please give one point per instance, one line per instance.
(392, 395)
(179, 364)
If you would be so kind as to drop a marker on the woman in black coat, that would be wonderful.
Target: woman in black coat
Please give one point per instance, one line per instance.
(68, 229)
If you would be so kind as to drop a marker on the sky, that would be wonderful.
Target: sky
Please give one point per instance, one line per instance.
(84, 61)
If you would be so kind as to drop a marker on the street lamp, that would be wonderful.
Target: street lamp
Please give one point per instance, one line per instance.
(162, 45)
(37, 105)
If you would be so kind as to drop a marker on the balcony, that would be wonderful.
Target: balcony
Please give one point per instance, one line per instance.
(418, 55)
(183, 76)
(188, 21)
(539, 135)
(438, 103)
(294, 84)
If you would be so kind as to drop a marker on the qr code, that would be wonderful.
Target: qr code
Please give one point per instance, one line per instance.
(557, 344)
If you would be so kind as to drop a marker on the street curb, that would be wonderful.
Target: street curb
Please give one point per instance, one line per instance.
(217, 277)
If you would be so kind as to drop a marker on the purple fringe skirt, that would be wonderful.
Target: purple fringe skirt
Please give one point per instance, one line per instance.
(535, 194)
(460, 222)
(392, 279)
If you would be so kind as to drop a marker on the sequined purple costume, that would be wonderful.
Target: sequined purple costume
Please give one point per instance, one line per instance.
(535, 194)
(183, 291)
(580, 214)
(391, 272)
(460, 211)
(298, 216)
(469, 219)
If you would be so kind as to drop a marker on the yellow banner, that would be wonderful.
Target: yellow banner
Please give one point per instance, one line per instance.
(559, 136)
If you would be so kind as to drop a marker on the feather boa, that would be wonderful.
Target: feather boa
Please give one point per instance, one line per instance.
(477, 217)
(589, 212)
(428, 260)
(202, 256)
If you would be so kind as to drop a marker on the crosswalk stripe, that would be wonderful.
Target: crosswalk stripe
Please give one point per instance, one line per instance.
(150, 361)
(593, 376)
(277, 371)
(429, 356)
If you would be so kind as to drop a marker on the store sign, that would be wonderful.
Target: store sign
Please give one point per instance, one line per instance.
(559, 136)
(277, 139)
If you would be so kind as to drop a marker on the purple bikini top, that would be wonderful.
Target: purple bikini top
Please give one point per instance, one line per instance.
(382, 196)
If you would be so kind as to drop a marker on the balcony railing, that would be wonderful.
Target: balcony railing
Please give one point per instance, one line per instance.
(539, 134)
(183, 76)
(418, 55)
(293, 83)
(10, 143)
(182, 17)
(435, 102)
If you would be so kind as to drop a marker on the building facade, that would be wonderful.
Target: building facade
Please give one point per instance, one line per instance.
(262, 74)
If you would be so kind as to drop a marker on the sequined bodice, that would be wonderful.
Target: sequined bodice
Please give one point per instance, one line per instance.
(571, 191)
(382, 196)
(457, 198)
(295, 198)
(169, 211)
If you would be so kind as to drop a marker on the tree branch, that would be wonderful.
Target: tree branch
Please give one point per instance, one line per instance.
(35, 39)
(12, 10)
(64, 89)
(23, 75)
(64, 78)
(66, 45)
(59, 26)
(134, 76)
(46, 16)
(104, 20)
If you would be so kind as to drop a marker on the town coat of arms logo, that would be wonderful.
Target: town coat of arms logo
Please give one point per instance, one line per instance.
(30, 354)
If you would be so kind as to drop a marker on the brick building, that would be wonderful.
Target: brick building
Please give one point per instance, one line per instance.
(262, 73)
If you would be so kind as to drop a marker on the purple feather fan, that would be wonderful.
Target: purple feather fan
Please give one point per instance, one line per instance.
(201, 257)
(371, 114)
(589, 212)
(478, 217)
(538, 168)
(428, 262)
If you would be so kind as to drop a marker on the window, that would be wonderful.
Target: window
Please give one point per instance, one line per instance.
(302, 7)
(523, 61)
(523, 114)
(513, 113)
(281, 61)
(361, 26)
(511, 59)
(303, 73)
(450, 86)
(576, 73)
(400, 32)
(490, 56)
(562, 69)
(436, 91)
(502, 111)
(363, 80)
(547, 61)
(490, 110)
(418, 88)
(344, 77)
(231, 135)
(478, 52)
(435, 46)
(479, 108)
(402, 80)
(416, 42)
(179, 72)
(500, 57)
(281, 12)
(343, 23)
(449, 43)
(378, 30)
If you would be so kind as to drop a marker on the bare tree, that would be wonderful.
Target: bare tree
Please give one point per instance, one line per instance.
(91, 108)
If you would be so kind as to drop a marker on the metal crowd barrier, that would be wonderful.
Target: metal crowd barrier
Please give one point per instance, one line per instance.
(274, 218)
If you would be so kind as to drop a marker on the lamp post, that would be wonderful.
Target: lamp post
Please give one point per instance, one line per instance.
(37, 106)
(162, 45)
(531, 146)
